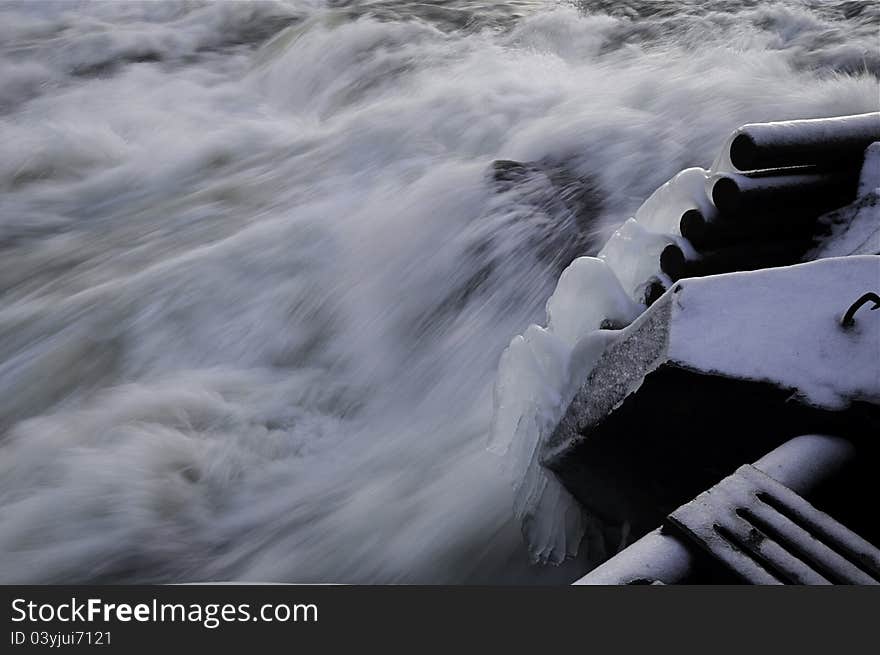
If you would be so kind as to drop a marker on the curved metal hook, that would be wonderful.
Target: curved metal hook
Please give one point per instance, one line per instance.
(849, 319)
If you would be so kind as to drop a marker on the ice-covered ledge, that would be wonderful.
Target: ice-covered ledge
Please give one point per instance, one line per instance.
(685, 426)
(782, 326)
(716, 372)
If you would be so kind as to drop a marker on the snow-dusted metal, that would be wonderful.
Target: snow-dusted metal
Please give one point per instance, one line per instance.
(768, 534)
(796, 468)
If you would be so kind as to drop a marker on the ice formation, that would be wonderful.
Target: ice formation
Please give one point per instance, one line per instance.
(541, 370)
(538, 376)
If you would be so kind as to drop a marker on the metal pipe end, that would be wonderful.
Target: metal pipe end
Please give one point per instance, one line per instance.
(744, 152)
(693, 226)
(725, 194)
(673, 262)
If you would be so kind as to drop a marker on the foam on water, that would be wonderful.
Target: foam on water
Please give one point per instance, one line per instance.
(255, 282)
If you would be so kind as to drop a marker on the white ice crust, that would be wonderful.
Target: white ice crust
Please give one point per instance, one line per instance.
(542, 369)
(538, 376)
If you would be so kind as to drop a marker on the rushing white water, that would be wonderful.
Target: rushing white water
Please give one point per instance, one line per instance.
(255, 280)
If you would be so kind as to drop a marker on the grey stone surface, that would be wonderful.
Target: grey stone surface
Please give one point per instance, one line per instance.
(638, 350)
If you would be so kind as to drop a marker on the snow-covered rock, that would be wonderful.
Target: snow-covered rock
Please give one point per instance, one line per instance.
(782, 326)
(715, 373)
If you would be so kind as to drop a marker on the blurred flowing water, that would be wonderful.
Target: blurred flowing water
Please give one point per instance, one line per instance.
(255, 278)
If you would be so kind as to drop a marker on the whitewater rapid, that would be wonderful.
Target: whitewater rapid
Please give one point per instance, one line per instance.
(255, 278)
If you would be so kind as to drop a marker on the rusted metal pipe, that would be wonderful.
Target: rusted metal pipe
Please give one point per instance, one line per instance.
(821, 142)
(743, 257)
(735, 194)
(673, 262)
(693, 226)
(725, 230)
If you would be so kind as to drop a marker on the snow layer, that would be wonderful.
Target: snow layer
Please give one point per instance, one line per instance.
(869, 180)
(656, 556)
(855, 229)
(783, 325)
